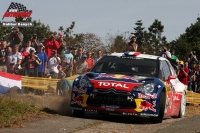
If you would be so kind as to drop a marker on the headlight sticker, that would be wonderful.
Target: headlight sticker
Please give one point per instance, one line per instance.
(79, 90)
(147, 96)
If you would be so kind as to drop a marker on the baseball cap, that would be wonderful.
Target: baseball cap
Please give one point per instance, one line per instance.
(41, 45)
(84, 56)
(181, 62)
(60, 34)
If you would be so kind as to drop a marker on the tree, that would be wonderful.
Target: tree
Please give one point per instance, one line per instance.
(61, 29)
(139, 33)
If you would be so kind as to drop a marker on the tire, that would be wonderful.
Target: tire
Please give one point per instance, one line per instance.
(160, 117)
(78, 113)
(182, 106)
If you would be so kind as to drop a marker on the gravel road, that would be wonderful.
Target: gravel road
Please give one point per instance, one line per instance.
(93, 123)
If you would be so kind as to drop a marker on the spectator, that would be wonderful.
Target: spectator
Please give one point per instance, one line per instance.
(63, 86)
(51, 44)
(132, 45)
(192, 81)
(173, 56)
(28, 47)
(183, 73)
(43, 58)
(3, 57)
(16, 37)
(68, 62)
(62, 44)
(89, 60)
(81, 65)
(198, 77)
(34, 42)
(24, 52)
(53, 63)
(79, 54)
(192, 58)
(165, 53)
(31, 63)
(99, 56)
(14, 60)
(9, 49)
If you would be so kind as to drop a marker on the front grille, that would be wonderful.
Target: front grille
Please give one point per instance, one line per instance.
(111, 91)
(110, 99)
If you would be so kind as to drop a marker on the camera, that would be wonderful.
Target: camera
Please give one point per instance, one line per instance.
(164, 50)
(51, 37)
(181, 65)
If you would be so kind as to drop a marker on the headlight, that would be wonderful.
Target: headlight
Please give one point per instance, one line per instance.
(146, 87)
(85, 82)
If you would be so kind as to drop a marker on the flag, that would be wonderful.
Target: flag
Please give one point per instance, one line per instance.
(8, 81)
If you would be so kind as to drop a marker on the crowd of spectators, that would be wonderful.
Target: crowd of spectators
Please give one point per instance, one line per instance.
(50, 58)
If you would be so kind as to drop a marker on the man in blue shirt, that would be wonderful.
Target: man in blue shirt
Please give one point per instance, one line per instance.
(43, 58)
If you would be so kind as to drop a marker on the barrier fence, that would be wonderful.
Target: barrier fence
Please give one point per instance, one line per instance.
(43, 84)
(49, 85)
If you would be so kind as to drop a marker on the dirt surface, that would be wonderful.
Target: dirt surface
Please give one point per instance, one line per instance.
(94, 123)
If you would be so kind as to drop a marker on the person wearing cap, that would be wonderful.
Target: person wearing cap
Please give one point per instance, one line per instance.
(182, 73)
(34, 42)
(53, 64)
(132, 45)
(15, 59)
(16, 37)
(62, 43)
(28, 44)
(81, 65)
(51, 44)
(3, 57)
(31, 63)
(43, 58)
(68, 62)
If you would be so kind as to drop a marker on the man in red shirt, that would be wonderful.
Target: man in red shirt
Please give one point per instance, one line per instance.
(51, 44)
(183, 73)
(89, 60)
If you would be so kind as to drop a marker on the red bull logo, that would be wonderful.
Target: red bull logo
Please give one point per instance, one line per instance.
(77, 100)
(148, 106)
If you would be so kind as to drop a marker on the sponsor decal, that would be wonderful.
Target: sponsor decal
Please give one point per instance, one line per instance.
(116, 76)
(134, 114)
(90, 110)
(77, 100)
(148, 106)
(79, 90)
(110, 106)
(145, 114)
(130, 98)
(112, 84)
(76, 108)
(147, 96)
(109, 109)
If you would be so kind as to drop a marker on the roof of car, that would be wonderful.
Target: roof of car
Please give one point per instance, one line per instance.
(137, 54)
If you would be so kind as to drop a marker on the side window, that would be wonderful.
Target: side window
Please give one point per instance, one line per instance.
(165, 69)
(171, 69)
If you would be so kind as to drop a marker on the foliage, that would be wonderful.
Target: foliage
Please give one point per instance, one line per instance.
(12, 112)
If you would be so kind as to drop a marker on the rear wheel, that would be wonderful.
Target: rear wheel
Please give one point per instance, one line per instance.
(162, 109)
(78, 113)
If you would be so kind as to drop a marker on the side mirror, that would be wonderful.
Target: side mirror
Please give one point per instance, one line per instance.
(171, 77)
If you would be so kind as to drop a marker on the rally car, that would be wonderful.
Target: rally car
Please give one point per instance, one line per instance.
(130, 83)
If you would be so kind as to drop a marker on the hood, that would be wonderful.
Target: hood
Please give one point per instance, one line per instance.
(116, 81)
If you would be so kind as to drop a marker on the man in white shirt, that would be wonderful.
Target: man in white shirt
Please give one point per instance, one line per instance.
(53, 63)
(165, 53)
(29, 47)
(99, 55)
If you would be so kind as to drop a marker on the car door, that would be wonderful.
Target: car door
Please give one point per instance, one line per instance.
(165, 68)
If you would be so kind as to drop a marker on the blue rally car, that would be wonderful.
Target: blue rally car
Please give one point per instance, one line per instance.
(130, 83)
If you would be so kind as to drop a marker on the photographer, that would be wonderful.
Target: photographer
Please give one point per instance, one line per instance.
(16, 37)
(62, 43)
(182, 73)
(53, 63)
(132, 46)
(34, 42)
(51, 44)
(192, 58)
(165, 53)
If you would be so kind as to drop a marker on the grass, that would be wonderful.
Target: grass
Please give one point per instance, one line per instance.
(13, 112)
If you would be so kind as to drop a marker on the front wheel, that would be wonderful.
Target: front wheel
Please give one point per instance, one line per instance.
(78, 113)
(162, 109)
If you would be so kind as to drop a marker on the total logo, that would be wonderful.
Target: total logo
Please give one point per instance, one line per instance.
(115, 85)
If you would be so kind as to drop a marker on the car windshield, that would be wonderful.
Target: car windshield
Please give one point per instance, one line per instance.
(127, 65)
